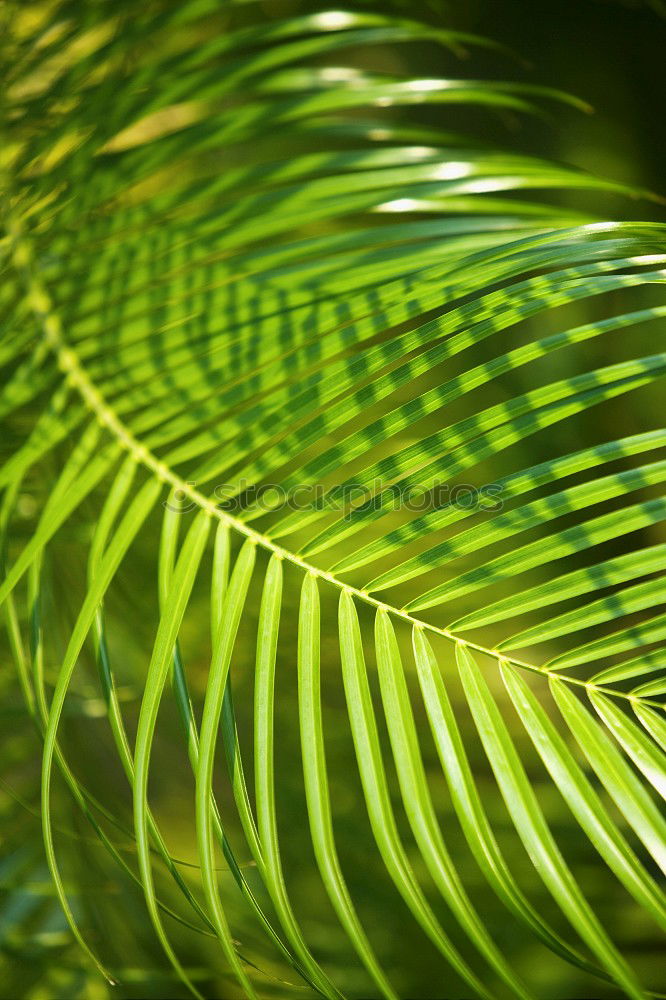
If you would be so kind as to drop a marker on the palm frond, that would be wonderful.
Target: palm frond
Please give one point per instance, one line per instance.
(252, 292)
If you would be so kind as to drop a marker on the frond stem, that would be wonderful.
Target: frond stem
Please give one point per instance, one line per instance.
(70, 365)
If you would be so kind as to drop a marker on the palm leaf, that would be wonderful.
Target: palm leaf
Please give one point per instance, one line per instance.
(245, 290)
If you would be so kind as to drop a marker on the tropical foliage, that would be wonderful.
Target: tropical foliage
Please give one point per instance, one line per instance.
(310, 389)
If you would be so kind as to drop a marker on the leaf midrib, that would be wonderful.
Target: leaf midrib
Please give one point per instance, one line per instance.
(70, 365)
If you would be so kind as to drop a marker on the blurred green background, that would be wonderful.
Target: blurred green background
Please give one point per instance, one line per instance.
(612, 55)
